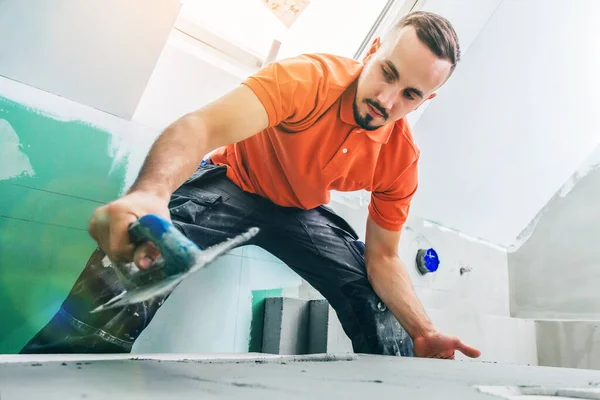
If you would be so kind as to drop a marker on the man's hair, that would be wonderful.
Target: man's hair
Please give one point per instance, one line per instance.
(436, 32)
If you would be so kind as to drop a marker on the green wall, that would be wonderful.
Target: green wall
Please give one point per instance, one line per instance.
(44, 243)
(69, 168)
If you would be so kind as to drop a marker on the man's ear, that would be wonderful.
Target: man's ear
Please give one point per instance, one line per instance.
(431, 96)
(372, 50)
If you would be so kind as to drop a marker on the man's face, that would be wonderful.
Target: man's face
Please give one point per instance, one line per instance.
(397, 79)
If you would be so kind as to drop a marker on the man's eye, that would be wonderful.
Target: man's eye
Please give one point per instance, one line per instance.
(408, 95)
(388, 77)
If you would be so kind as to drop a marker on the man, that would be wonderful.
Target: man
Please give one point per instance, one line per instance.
(283, 139)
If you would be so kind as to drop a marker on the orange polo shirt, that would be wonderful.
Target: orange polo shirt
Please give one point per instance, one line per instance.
(313, 143)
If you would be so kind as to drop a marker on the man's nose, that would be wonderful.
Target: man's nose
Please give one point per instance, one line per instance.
(386, 98)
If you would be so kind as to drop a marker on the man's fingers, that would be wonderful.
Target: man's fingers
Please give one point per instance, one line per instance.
(467, 350)
(98, 227)
(145, 255)
(444, 356)
(120, 248)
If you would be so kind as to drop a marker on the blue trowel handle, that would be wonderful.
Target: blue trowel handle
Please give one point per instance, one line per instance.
(150, 227)
(178, 252)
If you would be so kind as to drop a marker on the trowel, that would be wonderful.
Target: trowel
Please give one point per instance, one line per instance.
(180, 258)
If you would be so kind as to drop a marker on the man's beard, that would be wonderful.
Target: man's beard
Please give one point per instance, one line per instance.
(365, 122)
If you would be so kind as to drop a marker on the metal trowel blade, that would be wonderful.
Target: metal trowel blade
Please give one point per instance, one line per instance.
(166, 285)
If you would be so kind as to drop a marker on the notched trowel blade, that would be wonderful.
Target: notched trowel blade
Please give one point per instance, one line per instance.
(181, 259)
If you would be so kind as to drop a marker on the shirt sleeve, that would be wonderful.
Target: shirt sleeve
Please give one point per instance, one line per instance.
(291, 90)
(389, 207)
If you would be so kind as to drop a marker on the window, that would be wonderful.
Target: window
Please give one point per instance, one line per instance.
(258, 31)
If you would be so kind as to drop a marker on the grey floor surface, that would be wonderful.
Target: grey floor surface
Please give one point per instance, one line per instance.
(183, 377)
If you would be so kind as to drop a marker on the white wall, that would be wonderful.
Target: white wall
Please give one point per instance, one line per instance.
(500, 339)
(188, 75)
(473, 305)
(211, 312)
(554, 272)
(483, 290)
(98, 53)
(555, 268)
(569, 344)
(468, 17)
(515, 120)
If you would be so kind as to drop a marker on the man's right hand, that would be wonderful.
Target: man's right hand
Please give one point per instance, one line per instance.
(439, 345)
(109, 227)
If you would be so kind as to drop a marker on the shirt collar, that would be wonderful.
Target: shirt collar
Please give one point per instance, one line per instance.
(381, 135)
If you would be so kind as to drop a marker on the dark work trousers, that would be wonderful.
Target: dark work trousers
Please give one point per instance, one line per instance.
(208, 208)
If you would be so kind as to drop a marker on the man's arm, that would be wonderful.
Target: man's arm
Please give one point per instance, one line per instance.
(389, 277)
(390, 280)
(172, 159)
(178, 151)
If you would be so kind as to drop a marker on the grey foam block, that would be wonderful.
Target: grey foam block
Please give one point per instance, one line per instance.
(326, 334)
(286, 326)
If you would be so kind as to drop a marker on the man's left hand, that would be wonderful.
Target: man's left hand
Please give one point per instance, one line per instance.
(440, 345)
